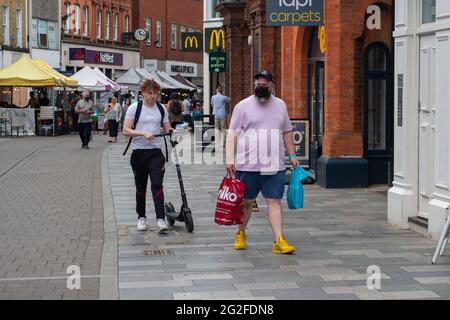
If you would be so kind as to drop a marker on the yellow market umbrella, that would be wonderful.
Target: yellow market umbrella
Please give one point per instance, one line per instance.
(25, 73)
(68, 82)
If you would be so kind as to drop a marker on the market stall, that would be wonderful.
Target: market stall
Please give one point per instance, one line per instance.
(27, 73)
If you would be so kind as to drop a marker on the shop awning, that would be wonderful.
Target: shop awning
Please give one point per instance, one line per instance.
(26, 73)
(66, 80)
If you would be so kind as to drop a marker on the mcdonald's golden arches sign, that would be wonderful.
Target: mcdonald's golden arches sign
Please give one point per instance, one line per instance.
(192, 41)
(214, 37)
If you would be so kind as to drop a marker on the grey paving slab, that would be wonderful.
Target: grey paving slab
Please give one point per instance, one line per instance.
(339, 234)
(51, 212)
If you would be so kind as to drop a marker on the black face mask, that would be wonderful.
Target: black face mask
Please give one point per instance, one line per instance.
(262, 92)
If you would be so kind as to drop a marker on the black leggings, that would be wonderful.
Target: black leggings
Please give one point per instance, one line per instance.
(85, 131)
(147, 163)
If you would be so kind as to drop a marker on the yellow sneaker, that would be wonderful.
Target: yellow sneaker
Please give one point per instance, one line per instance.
(240, 241)
(282, 246)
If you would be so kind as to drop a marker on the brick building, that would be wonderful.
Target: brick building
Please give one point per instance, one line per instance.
(93, 35)
(165, 21)
(342, 84)
(13, 36)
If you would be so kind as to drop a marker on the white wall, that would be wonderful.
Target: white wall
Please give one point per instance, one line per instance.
(403, 198)
(52, 57)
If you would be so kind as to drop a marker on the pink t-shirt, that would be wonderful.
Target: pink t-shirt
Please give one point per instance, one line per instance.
(259, 128)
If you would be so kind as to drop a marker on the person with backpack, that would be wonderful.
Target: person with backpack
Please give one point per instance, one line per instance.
(142, 122)
(175, 107)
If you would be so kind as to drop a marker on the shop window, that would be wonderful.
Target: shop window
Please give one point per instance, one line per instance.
(428, 11)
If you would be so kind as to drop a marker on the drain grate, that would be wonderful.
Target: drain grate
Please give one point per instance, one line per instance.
(158, 253)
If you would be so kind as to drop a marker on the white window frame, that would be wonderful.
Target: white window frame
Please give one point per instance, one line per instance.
(159, 33)
(148, 27)
(127, 24)
(19, 30)
(107, 25)
(99, 24)
(76, 19)
(85, 21)
(116, 26)
(173, 36)
(5, 26)
(182, 30)
(67, 13)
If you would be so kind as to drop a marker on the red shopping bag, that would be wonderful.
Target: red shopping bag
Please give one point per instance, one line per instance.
(229, 202)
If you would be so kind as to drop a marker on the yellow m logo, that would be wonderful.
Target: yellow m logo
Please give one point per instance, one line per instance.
(192, 41)
(219, 36)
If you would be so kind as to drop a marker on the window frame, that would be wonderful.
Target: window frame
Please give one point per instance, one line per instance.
(173, 36)
(99, 24)
(19, 29)
(85, 21)
(159, 33)
(107, 25)
(5, 25)
(148, 27)
(116, 26)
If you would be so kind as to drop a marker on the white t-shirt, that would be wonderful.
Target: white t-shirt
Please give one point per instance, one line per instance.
(149, 121)
(186, 106)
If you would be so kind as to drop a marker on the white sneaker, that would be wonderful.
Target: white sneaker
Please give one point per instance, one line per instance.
(142, 224)
(162, 226)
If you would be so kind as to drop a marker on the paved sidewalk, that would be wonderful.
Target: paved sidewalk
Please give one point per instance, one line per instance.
(339, 234)
(51, 216)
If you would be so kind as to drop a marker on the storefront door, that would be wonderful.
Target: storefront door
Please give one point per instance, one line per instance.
(426, 122)
(378, 113)
(317, 95)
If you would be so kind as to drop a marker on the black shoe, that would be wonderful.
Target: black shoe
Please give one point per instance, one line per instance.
(87, 147)
(82, 146)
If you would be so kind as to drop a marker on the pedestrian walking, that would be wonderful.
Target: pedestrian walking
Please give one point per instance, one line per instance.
(147, 158)
(175, 108)
(84, 109)
(113, 114)
(73, 103)
(219, 103)
(187, 111)
(262, 119)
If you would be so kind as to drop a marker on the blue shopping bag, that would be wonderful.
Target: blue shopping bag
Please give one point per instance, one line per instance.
(295, 191)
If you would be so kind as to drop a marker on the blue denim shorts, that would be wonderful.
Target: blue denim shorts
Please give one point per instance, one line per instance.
(271, 186)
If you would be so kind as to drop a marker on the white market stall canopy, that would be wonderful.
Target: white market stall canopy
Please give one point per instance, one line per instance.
(134, 77)
(114, 85)
(88, 79)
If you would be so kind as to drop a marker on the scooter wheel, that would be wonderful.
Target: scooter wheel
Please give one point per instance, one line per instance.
(189, 223)
(170, 221)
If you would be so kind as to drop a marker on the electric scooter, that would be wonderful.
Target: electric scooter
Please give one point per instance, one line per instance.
(185, 214)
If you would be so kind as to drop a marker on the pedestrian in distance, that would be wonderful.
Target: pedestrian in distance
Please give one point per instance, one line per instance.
(175, 108)
(84, 109)
(219, 103)
(113, 114)
(147, 159)
(259, 118)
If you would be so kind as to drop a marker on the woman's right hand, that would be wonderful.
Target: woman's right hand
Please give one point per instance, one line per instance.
(231, 169)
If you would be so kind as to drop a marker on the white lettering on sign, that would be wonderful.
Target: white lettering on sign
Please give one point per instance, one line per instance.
(226, 195)
(296, 3)
(106, 57)
(181, 69)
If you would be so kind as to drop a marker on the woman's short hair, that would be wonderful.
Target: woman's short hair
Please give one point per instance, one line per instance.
(152, 85)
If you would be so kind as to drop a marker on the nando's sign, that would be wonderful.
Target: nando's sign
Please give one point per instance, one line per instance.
(214, 37)
(192, 42)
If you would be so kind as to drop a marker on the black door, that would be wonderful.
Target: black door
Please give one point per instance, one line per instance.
(378, 113)
(317, 96)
